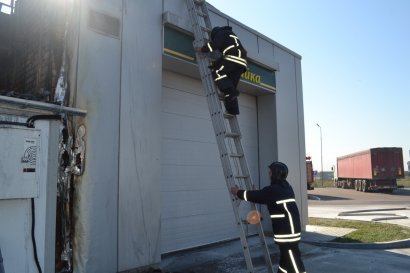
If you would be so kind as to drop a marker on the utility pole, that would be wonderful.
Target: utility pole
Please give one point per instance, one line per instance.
(321, 153)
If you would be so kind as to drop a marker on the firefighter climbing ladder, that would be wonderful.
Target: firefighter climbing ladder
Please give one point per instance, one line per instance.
(227, 132)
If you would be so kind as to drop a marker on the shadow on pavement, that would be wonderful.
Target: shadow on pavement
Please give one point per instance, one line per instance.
(327, 197)
(402, 192)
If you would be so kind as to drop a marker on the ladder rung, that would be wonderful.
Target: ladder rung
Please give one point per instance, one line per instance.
(233, 135)
(200, 19)
(228, 116)
(241, 176)
(200, 13)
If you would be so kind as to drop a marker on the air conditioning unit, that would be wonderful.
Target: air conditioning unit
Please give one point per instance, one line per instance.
(28, 191)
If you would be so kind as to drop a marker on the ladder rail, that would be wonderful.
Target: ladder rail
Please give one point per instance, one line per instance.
(219, 126)
(225, 137)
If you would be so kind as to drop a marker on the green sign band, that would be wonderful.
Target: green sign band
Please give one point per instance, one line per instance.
(179, 44)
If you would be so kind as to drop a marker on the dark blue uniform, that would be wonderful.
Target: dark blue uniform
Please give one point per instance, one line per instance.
(280, 200)
(227, 70)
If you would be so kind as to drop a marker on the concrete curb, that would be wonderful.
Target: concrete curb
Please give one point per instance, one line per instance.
(383, 245)
(391, 216)
(357, 212)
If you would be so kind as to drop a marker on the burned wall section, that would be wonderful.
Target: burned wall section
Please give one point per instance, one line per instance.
(32, 48)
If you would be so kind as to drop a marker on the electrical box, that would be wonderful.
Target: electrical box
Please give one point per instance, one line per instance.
(19, 162)
(28, 190)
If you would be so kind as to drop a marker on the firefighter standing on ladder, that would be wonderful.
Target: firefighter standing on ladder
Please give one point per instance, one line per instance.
(227, 70)
(284, 214)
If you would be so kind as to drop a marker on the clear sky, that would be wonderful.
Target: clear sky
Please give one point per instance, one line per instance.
(355, 68)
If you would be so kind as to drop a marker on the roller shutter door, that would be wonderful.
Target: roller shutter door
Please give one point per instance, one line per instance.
(195, 204)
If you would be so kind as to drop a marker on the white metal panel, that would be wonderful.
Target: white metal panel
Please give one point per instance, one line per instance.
(248, 39)
(268, 145)
(19, 162)
(217, 19)
(15, 239)
(265, 52)
(16, 214)
(139, 214)
(290, 120)
(97, 86)
(178, 8)
(195, 203)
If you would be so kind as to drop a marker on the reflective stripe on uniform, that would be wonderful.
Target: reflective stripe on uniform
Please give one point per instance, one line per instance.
(219, 70)
(226, 49)
(286, 240)
(277, 216)
(287, 235)
(235, 38)
(285, 201)
(244, 196)
(220, 77)
(283, 270)
(236, 58)
(236, 61)
(292, 228)
(293, 261)
(210, 47)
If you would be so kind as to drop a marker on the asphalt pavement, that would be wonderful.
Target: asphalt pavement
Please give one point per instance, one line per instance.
(228, 258)
(318, 253)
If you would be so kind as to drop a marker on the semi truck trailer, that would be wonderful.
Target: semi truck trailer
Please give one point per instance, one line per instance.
(370, 170)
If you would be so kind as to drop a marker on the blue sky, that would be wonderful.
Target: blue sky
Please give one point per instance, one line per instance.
(355, 68)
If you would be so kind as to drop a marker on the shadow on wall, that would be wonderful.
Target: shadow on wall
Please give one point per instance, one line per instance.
(1, 263)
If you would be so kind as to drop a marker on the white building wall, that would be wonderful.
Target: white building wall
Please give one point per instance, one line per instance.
(97, 90)
(118, 81)
(196, 208)
(290, 124)
(139, 211)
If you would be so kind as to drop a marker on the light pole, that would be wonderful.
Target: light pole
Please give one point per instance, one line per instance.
(321, 153)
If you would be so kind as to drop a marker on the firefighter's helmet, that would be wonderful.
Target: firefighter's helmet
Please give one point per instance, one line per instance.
(279, 170)
(214, 31)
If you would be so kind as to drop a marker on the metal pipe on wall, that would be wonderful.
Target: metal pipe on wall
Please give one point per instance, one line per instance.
(43, 106)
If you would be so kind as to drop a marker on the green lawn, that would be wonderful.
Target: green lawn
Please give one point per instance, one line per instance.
(405, 182)
(326, 184)
(367, 232)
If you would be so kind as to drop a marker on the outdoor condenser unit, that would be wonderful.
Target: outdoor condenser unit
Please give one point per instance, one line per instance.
(28, 184)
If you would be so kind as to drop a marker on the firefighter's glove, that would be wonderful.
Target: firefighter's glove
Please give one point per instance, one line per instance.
(234, 190)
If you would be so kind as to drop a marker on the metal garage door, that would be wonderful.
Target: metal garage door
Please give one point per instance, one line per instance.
(195, 203)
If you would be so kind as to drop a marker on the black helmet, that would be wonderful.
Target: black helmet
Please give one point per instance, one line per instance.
(279, 170)
(214, 31)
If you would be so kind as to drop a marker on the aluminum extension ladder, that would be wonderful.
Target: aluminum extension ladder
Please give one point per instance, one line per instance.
(227, 132)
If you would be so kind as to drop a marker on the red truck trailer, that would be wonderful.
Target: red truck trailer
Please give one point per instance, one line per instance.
(372, 169)
(310, 178)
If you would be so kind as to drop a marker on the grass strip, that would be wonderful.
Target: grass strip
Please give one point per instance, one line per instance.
(366, 232)
(405, 182)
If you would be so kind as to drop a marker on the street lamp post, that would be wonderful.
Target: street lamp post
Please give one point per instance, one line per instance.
(321, 153)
